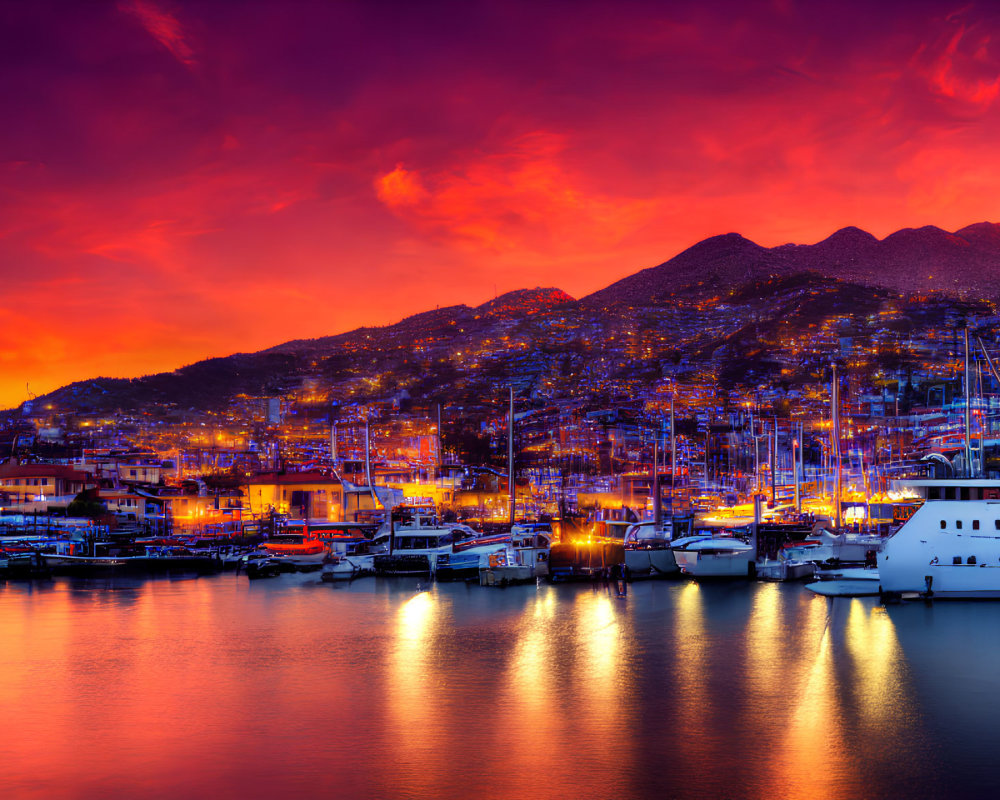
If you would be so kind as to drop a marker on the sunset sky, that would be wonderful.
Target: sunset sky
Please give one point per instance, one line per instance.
(190, 179)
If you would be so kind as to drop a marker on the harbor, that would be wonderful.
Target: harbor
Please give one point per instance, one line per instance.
(390, 686)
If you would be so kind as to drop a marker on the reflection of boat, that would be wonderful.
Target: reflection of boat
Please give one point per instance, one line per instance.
(525, 559)
(715, 557)
(950, 547)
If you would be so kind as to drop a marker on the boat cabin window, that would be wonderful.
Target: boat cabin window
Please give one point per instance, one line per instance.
(934, 493)
(972, 560)
(956, 560)
(975, 524)
(945, 524)
(958, 524)
(951, 493)
(996, 524)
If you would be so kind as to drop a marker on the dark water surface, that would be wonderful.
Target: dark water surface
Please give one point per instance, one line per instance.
(216, 687)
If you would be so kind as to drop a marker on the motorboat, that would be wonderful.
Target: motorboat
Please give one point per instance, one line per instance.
(349, 557)
(415, 545)
(647, 551)
(305, 554)
(723, 556)
(269, 566)
(846, 582)
(785, 569)
(346, 568)
(158, 558)
(524, 559)
(467, 557)
(950, 547)
(826, 546)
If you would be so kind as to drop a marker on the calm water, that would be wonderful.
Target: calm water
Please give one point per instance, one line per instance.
(216, 687)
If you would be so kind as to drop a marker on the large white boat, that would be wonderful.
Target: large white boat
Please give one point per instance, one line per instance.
(715, 557)
(950, 547)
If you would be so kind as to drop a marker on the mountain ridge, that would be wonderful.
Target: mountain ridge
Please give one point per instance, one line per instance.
(909, 261)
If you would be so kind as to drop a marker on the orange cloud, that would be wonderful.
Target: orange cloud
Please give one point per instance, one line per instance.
(162, 26)
(521, 197)
(401, 187)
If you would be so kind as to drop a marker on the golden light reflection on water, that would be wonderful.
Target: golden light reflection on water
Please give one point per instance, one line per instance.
(598, 637)
(691, 649)
(413, 698)
(879, 691)
(850, 688)
(526, 711)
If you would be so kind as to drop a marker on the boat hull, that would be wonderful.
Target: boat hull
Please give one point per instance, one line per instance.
(506, 576)
(86, 565)
(650, 563)
(845, 588)
(410, 564)
(930, 556)
(702, 565)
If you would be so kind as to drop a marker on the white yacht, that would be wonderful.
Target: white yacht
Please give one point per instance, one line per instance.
(950, 547)
(715, 557)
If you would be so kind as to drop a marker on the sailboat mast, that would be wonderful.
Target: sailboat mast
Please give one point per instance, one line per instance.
(673, 456)
(657, 515)
(510, 454)
(836, 443)
(968, 410)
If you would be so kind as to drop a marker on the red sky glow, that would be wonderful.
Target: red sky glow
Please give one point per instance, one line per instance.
(181, 180)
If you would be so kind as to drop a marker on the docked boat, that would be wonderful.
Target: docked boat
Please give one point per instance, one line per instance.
(414, 546)
(305, 554)
(950, 547)
(825, 546)
(269, 567)
(589, 559)
(351, 556)
(785, 569)
(524, 560)
(846, 582)
(466, 557)
(703, 557)
(155, 559)
(647, 552)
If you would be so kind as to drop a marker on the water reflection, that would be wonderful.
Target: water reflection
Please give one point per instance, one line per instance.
(216, 688)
